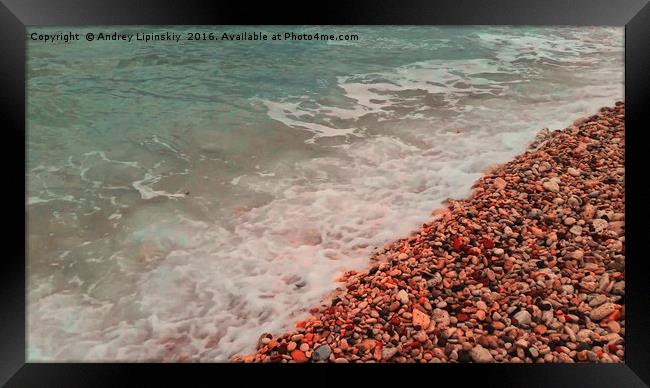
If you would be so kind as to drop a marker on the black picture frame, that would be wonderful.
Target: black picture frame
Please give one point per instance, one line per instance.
(15, 15)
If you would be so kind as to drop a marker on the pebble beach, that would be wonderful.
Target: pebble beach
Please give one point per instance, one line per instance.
(529, 269)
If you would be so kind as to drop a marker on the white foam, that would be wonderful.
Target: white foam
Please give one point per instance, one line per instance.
(147, 192)
(208, 292)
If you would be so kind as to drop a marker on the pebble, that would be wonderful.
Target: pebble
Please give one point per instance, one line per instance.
(531, 274)
(441, 317)
(481, 355)
(421, 319)
(298, 356)
(598, 300)
(578, 254)
(573, 171)
(421, 336)
(544, 166)
(403, 296)
(388, 352)
(500, 183)
(551, 186)
(523, 318)
(588, 212)
(599, 225)
(574, 202)
(614, 327)
(321, 353)
(576, 229)
(602, 311)
(569, 221)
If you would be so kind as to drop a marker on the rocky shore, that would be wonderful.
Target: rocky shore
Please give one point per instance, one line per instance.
(530, 268)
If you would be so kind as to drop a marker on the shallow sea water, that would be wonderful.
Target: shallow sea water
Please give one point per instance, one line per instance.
(185, 197)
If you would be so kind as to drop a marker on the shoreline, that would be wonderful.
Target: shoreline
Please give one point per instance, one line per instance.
(529, 268)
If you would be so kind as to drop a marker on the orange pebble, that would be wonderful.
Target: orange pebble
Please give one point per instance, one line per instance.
(298, 356)
(612, 317)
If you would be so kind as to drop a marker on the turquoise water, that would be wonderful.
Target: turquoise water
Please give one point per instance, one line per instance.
(185, 197)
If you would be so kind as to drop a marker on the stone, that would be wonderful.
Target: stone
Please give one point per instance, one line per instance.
(576, 229)
(435, 280)
(573, 171)
(551, 186)
(481, 355)
(421, 336)
(598, 300)
(341, 360)
(614, 327)
(544, 166)
(441, 317)
(523, 318)
(421, 319)
(583, 335)
(298, 356)
(588, 211)
(602, 311)
(540, 329)
(574, 202)
(617, 227)
(321, 353)
(599, 225)
(388, 352)
(264, 339)
(535, 214)
(619, 288)
(447, 293)
(537, 232)
(500, 183)
(613, 338)
(403, 296)
(577, 254)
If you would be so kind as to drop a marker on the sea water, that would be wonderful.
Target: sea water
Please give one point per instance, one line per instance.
(185, 197)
